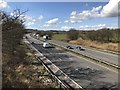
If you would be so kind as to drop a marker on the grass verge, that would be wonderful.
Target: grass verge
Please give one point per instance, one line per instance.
(23, 71)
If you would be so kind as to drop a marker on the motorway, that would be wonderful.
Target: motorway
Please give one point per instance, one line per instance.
(112, 58)
(85, 73)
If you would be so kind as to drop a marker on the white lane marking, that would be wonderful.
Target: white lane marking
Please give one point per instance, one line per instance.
(71, 58)
(94, 63)
(60, 59)
(103, 52)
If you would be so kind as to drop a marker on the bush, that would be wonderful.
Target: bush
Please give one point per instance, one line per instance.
(73, 34)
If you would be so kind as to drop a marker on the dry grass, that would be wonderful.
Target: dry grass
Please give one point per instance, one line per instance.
(25, 73)
(98, 45)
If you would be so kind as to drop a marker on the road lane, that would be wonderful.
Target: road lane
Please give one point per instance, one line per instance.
(112, 58)
(87, 74)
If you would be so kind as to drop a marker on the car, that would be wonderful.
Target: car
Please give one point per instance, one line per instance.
(32, 42)
(80, 48)
(26, 37)
(46, 45)
(69, 47)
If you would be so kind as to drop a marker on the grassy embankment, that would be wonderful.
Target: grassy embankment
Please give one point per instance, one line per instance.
(24, 71)
(88, 43)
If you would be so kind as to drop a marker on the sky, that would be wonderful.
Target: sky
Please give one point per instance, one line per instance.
(66, 15)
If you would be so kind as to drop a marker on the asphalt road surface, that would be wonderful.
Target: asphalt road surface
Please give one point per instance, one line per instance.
(85, 73)
(112, 58)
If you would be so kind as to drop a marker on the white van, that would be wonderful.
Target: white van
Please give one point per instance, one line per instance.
(46, 45)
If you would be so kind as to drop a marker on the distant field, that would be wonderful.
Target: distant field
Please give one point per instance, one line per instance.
(60, 37)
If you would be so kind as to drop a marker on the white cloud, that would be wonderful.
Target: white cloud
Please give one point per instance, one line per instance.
(46, 25)
(40, 17)
(111, 9)
(84, 15)
(3, 4)
(66, 28)
(51, 22)
(30, 20)
(30, 23)
(33, 20)
(94, 27)
(12, 14)
(66, 21)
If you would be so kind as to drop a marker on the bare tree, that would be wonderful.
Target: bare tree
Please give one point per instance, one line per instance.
(12, 29)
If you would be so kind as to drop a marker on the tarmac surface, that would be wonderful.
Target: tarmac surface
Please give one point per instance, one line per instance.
(87, 74)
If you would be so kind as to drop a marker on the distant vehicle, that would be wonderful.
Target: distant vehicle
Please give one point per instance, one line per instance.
(32, 42)
(69, 47)
(46, 45)
(80, 48)
(37, 35)
(34, 34)
(45, 37)
(26, 37)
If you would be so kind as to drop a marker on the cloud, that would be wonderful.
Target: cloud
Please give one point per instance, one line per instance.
(3, 4)
(40, 17)
(66, 21)
(46, 25)
(30, 23)
(66, 28)
(51, 22)
(30, 20)
(109, 10)
(33, 20)
(84, 15)
(16, 14)
(94, 27)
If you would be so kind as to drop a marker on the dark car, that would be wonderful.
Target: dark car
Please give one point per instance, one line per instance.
(26, 37)
(80, 48)
(32, 42)
(69, 47)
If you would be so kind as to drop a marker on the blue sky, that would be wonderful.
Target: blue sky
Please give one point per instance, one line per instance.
(66, 15)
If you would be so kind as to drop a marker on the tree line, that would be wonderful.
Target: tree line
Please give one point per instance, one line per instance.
(104, 35)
